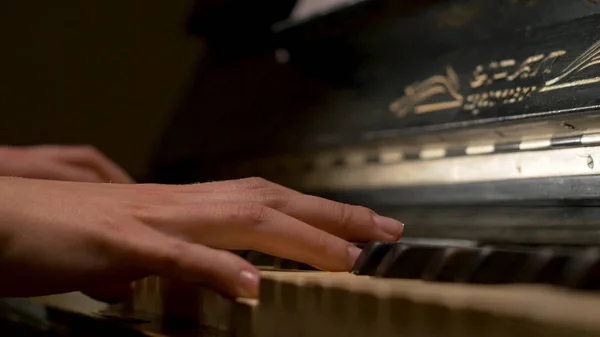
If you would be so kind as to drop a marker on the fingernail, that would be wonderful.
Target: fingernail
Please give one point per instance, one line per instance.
(354, 253)
(249, 284)
(389, 225)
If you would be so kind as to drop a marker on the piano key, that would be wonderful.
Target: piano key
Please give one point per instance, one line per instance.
(261, 260)
(452, 264)
(471, 262)
(370, 257)
(499, 266)
(583, 270)
(405, 261)
(544, 266)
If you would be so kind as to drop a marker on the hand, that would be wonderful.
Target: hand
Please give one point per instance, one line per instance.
(63, 236)
(69, 163)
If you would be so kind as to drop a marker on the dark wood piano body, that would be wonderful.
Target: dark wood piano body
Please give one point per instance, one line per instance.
(465, 119)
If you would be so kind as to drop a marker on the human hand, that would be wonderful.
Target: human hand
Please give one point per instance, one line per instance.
(68, 163)
(64, 236)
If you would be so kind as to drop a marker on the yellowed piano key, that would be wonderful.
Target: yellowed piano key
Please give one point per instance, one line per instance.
(315, 304)
(359, 305)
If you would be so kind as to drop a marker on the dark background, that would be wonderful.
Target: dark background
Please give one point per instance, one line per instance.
(112, 73)
(103, 72)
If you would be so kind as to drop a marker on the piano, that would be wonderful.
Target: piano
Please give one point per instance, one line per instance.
(475, 122)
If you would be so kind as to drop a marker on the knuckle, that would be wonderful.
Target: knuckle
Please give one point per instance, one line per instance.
(140, 210)
(322, 243)
(251, 213)
(344, 213)
(221, 257)
(255, 183)
(363, 212)
(113, 225)
(174, 256)
(274, 198)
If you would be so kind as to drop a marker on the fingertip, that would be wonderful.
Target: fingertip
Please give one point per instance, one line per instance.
(249, 283)
(390, 226)
(234, 276)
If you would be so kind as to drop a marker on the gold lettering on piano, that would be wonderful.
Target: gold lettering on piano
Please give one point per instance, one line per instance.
(498, 97)
(418, 96)
(589, 58)
(506, 69)
(418, 92)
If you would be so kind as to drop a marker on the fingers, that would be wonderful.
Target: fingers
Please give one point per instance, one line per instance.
(93, 159)
(255, 227)
(354, 223)
(176, 259)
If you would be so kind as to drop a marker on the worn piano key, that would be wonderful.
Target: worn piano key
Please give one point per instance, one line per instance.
(500, 266)
(260, 259)
(406, 261)
(370, 257)
(583, 270)
(452, 264)
(544, 266)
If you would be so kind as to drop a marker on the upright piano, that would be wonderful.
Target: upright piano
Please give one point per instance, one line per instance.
(474, 122)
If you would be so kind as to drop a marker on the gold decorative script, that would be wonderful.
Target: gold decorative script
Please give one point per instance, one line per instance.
(589, 58)
(419, 92)
(417, 95)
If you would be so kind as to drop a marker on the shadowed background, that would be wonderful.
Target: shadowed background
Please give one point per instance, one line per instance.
(107, 73)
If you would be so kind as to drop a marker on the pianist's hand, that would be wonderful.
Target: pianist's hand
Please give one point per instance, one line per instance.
(65, 236)
(69, 163)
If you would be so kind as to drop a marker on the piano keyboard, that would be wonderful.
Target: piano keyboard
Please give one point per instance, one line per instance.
(466, 262)
(313, 304)
(322, 304)
(408, 288)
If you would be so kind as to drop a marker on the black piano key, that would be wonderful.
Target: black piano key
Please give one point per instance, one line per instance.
(471, 264)
(552, 271)
(390, 260)
(294, 265)
(500, 266)
(545, 266)
(261, 260)
(305, 267)
(583, 270)
(241, 253)
(407, 261)
(370, 257)
(289, 265)
(453, 264)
